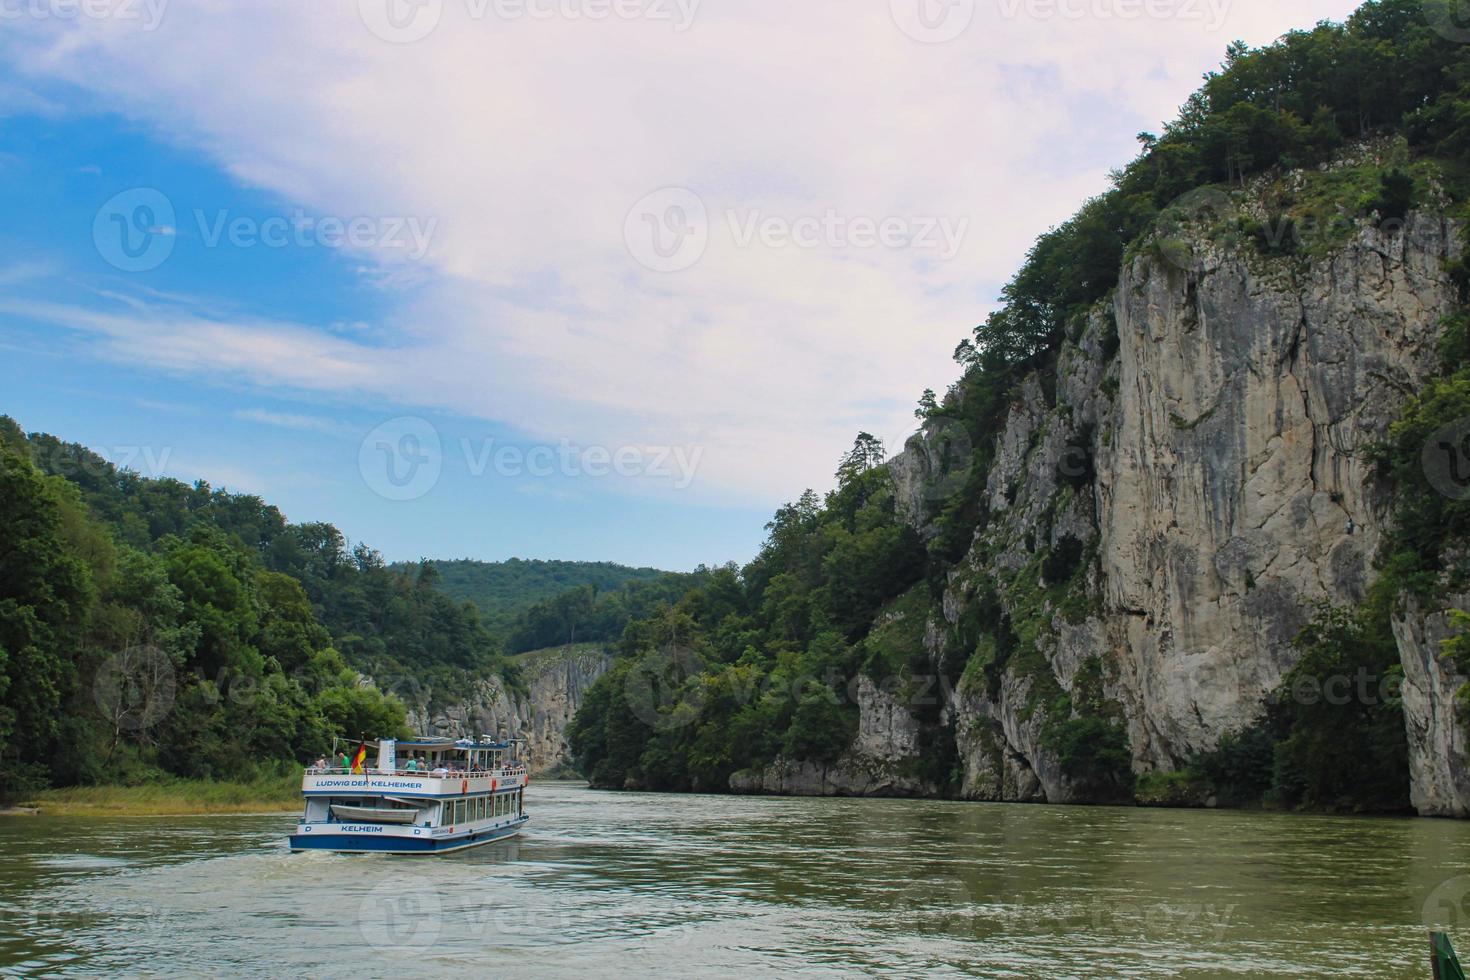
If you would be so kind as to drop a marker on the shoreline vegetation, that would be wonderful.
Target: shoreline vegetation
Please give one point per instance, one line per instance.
(174, 798)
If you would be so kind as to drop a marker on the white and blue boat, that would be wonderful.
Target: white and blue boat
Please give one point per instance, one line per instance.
(425, 796)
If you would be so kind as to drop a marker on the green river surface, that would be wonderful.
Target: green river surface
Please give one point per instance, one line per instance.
(604, 884)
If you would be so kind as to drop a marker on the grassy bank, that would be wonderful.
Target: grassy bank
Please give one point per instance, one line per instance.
(175, 798)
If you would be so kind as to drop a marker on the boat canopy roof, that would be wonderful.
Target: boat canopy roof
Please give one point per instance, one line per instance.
(425, 743)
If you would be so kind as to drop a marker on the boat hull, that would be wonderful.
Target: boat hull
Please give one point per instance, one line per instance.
(381, 842)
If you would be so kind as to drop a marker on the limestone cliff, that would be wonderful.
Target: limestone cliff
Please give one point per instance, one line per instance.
(554, 681)
(1197, 456)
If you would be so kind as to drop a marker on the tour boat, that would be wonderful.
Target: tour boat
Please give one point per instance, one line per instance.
(425, 796)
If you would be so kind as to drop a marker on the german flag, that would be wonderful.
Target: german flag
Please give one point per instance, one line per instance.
(359, 758)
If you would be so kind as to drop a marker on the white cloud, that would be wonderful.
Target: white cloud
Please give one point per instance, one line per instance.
(296, 421)
(529, 140)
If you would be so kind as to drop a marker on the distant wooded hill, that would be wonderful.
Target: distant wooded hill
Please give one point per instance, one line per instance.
(502, 590)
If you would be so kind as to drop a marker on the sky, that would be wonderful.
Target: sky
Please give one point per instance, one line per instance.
(577, 279)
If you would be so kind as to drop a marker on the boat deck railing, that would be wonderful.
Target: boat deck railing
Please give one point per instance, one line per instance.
(440, 773)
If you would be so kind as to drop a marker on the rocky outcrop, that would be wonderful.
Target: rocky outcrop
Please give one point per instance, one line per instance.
(1439, 768)
(853, 775)
(554, 681)
(882, 761)
(1235, 490)
(1198, 461)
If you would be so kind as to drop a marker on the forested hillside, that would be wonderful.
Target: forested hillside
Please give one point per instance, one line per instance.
(148, 627)
(586, 614)
(977, 566)
(501, 591)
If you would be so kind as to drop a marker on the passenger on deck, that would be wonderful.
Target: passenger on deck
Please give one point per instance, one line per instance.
(412, 765)
(320, 765)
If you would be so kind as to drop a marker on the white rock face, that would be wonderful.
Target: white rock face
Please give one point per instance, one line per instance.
(556, 681)
(1224, 489)
(1439, 770)
(886, 729)
(1235, 491)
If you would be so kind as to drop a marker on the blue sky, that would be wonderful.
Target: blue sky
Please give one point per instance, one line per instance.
(545, 288)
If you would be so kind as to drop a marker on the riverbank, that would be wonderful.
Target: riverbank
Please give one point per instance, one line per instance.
(177, 798)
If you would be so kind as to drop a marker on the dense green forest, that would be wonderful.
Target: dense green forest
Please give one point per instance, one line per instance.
(149, 628)
(501, 591)
(586, 614)
(825, 596)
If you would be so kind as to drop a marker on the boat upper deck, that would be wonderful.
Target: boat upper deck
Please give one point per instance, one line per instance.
(411, 783)
(432, 768)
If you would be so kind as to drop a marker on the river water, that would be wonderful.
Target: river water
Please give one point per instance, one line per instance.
(606, 884)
